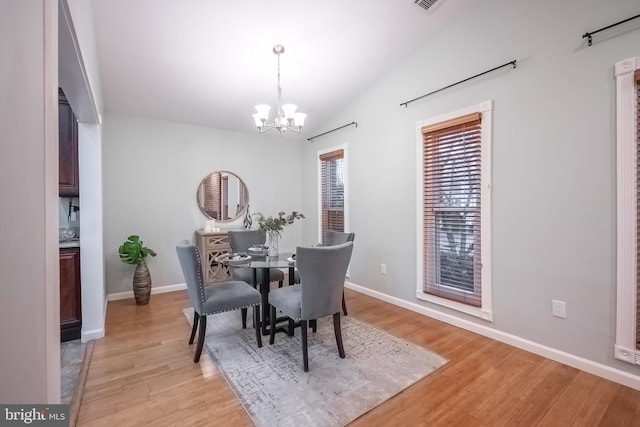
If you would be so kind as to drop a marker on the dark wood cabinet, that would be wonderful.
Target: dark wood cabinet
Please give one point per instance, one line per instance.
(68, 148)
(70, 303)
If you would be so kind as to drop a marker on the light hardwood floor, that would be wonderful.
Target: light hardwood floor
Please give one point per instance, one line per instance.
(142, 372)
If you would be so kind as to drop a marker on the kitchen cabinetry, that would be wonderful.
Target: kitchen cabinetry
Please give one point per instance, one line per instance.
(211, 246)
(70, 308)
(68, 148)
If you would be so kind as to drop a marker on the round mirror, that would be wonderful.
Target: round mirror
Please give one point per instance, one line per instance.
(222, 196)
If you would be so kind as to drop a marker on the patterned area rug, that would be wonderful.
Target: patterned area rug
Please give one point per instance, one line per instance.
(275, 391)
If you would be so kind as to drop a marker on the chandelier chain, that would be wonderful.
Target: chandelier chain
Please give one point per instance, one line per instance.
(279, 112)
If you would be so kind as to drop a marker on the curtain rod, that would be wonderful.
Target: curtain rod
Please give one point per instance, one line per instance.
(332, 130)
(406, 104)
(588, 34)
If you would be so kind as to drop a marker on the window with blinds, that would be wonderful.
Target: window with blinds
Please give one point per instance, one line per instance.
(332, 191)
(451, 209)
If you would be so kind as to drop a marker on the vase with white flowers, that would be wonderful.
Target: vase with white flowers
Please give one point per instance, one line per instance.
(273, 226)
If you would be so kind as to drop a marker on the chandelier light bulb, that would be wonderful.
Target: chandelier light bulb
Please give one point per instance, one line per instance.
(298, 120)
(263, 111)
(289, 111)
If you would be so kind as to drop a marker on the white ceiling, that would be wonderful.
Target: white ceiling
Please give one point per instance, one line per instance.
(208, 62)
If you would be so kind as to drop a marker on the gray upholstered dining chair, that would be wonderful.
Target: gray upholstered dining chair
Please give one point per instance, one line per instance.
(214, 298)
(323, 270)
(332, 238)
(241, 241)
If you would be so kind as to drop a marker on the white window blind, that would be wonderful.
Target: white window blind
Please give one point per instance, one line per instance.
(451, 216)
(332, 191)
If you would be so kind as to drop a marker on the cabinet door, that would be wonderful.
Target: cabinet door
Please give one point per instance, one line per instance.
(211, 246)
(68, 148)
(70, 308)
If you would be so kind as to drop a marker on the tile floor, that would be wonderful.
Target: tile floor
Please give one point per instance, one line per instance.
(71, 357)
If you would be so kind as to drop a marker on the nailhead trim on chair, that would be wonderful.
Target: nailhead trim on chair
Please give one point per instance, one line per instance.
(200, 276)
(231, 309)
(202, 292)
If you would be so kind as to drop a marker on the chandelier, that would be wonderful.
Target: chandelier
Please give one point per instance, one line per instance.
(286, 116)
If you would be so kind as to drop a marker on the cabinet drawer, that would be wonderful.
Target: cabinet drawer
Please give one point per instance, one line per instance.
(216, 241)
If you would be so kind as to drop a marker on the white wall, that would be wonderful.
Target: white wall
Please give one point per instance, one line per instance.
(79, 70)
(80, 79)
(82, 16)
(152, 170)
(92, 272)
(553, 164)
(29, 271)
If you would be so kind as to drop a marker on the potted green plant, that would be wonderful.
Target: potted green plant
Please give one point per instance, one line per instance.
(274, 226)
(132, 251)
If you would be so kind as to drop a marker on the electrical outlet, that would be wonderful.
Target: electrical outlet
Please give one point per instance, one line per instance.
(559, 309)
(383, 268)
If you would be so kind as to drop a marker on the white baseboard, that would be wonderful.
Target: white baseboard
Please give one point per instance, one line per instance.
(92, 335)
(95, 334)
(154, 290)
(595, 368)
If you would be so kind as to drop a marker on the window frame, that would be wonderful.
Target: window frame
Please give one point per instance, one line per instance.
(345, 182)
(485, 311)
(626, 210)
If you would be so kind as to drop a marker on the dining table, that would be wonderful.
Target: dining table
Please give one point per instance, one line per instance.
(265, 263)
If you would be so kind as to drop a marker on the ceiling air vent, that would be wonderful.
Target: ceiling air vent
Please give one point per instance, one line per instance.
(428, 4)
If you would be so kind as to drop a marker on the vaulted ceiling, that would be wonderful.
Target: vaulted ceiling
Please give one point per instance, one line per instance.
(208, 62)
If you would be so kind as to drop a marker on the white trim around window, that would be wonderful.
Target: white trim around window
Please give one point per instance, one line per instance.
(485, 310)
(626, 217)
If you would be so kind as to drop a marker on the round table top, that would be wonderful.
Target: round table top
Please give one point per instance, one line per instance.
(279, 261)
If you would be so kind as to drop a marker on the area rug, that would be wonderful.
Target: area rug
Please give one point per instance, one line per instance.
(274, 389)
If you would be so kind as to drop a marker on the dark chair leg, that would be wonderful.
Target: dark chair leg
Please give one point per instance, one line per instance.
(196, 317)
(344, 306)
(279, 283)
(338, 330)
(203, 331)
(272, 325)
(291, 327)
(314, 325)
(305, 354)
(256, 323)
(244, 317)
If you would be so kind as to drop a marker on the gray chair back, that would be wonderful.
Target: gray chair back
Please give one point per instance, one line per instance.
(323, 269)
(241, 241)
(189, 258)
(332, 238)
